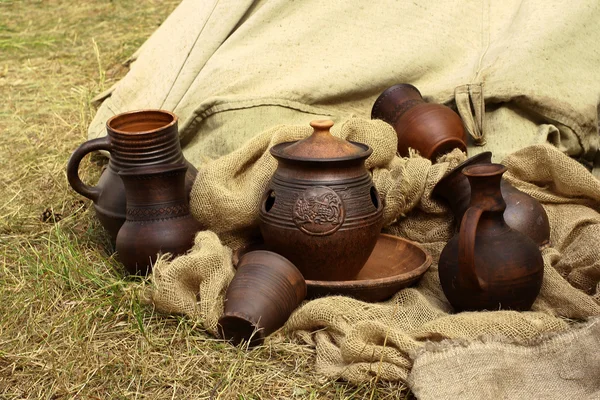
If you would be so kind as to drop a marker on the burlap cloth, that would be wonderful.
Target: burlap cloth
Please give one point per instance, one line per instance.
(355, 340)
(553, 367)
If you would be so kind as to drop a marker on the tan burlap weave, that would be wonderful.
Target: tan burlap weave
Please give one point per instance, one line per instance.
(553, 367)
(356, 340)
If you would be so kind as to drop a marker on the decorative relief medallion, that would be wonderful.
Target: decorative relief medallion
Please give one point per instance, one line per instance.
(319, 211)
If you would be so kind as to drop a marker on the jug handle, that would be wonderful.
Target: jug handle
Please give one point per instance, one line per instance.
(91, 192)
(466, 247)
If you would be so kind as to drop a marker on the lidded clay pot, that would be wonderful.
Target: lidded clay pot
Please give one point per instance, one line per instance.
(321, 210)
(431, 129)
(135, 139)
(523, 213)
(488, 265)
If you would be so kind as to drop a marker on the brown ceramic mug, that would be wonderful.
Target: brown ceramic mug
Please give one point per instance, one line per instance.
(135, 139)
(265, 290)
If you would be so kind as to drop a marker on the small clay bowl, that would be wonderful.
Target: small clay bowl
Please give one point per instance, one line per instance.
(265, 290)
(394, 264)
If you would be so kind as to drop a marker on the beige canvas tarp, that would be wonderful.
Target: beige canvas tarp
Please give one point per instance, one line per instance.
(233, 68)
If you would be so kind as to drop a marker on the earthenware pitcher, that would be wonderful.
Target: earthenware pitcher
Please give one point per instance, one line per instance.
(523, 212)
(321, 210)
(135, 139)
(488, 265)
(431, 129)
(158, 216)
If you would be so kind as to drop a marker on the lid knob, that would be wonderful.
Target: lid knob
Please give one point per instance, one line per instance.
(322, 125)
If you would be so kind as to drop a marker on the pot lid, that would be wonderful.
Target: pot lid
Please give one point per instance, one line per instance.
(321, 145)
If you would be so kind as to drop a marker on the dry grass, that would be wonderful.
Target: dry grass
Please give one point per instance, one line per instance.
(70, 325)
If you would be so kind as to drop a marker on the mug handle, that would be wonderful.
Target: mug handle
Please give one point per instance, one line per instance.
(466, 248)
(91, 192)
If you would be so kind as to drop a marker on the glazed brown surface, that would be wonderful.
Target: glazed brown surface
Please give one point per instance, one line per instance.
(395, 263)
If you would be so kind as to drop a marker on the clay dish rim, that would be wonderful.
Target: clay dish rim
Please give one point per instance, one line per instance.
(344, 287)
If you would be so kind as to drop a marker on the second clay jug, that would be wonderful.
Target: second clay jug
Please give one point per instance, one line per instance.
(523, 212)
(487, 265)
(135, 139)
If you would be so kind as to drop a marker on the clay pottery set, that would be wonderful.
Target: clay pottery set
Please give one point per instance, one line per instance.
(135, 139)
(431, 129)
(263, 293)
(488, 265)
(321, 218)
(394, 264)
(321, 210)
(523, 213)
(158, 218)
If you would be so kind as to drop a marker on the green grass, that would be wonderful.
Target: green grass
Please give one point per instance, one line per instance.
(72, 325)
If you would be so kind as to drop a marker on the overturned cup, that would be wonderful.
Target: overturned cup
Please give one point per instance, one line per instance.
(265, 290)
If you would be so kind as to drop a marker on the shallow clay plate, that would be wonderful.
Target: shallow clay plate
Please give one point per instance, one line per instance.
(395, 263)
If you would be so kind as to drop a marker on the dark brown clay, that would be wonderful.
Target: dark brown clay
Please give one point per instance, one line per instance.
(431, 129)
(158, 216)
(523, 213)
(135, 139)
(394, 264)
(265, 290)
(488, 265)
(321, 210)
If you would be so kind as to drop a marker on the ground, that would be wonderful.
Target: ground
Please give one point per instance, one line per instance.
(72, 325)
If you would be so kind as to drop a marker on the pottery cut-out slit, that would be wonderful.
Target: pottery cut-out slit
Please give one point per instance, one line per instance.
(374, 197)
(270, 201)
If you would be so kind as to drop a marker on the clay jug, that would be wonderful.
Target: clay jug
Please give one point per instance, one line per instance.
(321, 210)
(158, 216)
(523, 212)
(488, 265)
(431, 129)
(135, 139)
